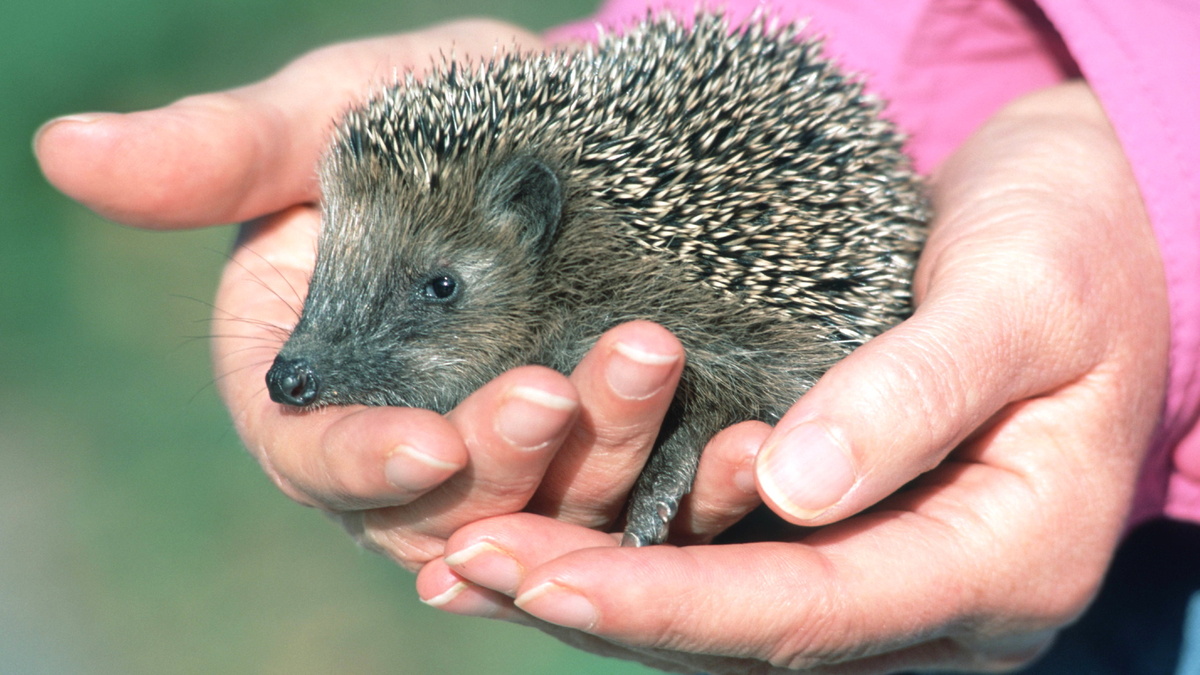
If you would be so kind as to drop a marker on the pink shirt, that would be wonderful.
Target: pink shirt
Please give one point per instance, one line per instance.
(946, 65)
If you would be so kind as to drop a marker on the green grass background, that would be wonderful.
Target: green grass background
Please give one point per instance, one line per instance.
(136, 536)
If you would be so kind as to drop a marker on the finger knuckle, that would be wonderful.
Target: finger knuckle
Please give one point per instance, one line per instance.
(509, 489)
(292, 489)
(594, 516)
(409, 549)
(929, 379)
(317, 486)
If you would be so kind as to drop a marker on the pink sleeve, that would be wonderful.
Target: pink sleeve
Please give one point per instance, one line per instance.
(945, 66)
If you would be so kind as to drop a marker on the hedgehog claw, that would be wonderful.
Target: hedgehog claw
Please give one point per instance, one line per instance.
(649, 523)
(631, 540)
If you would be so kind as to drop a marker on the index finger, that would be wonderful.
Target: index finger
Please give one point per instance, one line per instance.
(236, 155)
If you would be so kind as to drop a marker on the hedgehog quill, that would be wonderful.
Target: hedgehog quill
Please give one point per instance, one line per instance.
(733, 186)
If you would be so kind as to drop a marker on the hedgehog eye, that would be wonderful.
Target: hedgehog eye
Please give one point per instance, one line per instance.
(442, 288)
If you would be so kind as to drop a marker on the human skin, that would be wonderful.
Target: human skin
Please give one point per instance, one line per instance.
(1018, 401)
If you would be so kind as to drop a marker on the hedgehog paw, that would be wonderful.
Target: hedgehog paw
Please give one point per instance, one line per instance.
(649, 522)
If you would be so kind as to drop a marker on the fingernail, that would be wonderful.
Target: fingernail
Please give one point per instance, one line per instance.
(411, 469)
(488, 565)
(445, 597)
(636, 374)
(806, 472)
(743, 474)
(467, 599)
(530, 418)
(743, 479)
(80, 118)
(558, 605)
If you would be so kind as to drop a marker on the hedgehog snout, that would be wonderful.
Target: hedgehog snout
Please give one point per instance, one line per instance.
(293, 382)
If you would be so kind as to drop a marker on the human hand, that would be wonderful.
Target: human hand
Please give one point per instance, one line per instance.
(1016, 404)
(252, 151)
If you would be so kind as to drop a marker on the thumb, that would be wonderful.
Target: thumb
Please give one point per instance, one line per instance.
(1012, 308)
(890, 411)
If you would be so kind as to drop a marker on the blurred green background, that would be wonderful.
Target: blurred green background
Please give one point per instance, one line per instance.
(136, 536)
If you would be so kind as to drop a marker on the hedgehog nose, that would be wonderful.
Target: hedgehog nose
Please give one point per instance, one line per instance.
(292, 382)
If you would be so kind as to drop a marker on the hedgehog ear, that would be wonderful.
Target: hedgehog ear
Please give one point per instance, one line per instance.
(524, 196)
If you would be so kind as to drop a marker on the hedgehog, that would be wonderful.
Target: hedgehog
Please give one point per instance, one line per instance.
(729, 183)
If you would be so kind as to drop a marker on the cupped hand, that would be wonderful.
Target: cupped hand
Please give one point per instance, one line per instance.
(1007, 419)
(402, 480)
